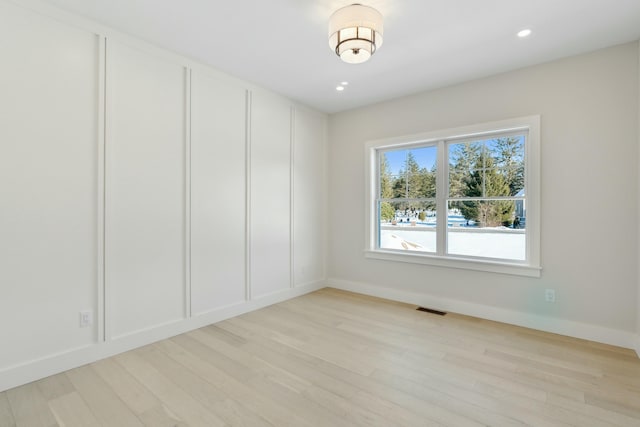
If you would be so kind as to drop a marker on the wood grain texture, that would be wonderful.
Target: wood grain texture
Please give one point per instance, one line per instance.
(29, 407)
(71, 411)
(333, 358)
(107, 406)
(6, 415)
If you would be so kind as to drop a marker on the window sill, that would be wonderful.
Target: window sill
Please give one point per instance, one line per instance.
(460, 263)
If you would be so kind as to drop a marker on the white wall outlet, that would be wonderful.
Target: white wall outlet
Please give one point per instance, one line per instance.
(86, 318)
(550, 295)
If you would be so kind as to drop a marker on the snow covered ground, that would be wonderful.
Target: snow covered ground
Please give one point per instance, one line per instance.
(489, 243)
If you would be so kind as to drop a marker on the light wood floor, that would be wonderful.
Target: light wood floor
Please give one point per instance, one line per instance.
(334, 358)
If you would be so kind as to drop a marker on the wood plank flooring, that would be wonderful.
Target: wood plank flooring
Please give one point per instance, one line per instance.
(333, 358)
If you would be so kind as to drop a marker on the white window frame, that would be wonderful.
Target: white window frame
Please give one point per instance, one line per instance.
(530, 267)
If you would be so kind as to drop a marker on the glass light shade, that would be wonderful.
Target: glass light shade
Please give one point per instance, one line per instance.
(355, 33)
(355, 51)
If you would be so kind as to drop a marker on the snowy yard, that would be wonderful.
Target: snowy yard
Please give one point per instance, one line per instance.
(489, 243)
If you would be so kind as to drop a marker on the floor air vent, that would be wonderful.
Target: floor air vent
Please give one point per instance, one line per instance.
(432, 311)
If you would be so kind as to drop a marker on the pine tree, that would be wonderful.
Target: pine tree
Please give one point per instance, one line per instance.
(461, 163)
(510, 162)
(387, 212)
(399, 187)
(463, 160)
(414, 178)
(386, 189)
(486, 181)
(428, 182)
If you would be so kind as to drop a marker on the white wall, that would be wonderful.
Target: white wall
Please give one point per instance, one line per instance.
(145, 187)
(48, 185)
(309, 196)
(145, 239)
(589, 187)
(270, 223)
(218, 194)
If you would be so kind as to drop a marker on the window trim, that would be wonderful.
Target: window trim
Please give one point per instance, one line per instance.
(531, 266)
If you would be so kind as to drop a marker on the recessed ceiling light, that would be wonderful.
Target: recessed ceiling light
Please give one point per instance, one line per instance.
(344, 83)
(340, 88)
(524, 33)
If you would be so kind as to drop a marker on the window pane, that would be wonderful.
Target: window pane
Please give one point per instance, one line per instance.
(490, 229)
(509, 155)
(423, 158)
(408, 173)
(487, 168)
(409, 226)
(394, 161)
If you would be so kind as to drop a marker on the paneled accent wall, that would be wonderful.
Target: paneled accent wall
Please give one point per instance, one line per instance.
(145, 190)
(154, 192)
(219, 112)
(48, 185)
(270, 234)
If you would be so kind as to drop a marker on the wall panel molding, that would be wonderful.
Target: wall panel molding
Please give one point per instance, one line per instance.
(100, 317)
(137, 164)
(247, 224)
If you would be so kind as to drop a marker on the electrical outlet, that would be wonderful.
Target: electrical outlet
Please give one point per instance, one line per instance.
(86, 318)
(550, 295)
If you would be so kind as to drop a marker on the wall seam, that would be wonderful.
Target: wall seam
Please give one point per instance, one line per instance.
(101, 197)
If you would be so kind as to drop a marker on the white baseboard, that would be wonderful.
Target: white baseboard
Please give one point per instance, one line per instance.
(543, 323)
(41, 368)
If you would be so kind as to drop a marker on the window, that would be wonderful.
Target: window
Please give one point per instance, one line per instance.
(466, 198)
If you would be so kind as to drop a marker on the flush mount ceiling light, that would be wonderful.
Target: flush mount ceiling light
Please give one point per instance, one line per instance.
(355, 33)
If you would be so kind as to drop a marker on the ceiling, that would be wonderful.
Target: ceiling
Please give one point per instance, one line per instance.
(282, 44)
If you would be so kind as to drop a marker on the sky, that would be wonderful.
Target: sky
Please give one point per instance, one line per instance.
(425, 156)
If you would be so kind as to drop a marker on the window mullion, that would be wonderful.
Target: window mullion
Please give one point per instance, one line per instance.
(442, 186)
